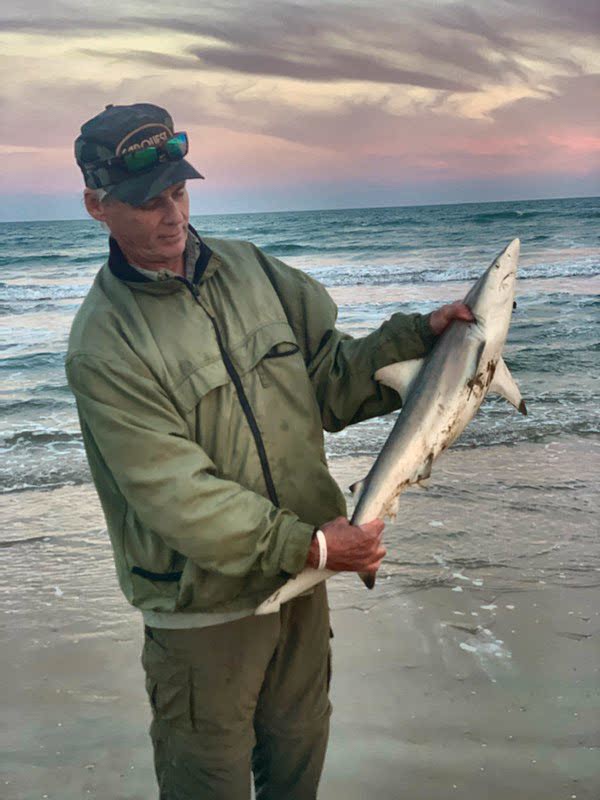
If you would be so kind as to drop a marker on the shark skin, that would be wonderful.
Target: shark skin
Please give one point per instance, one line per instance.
(440, 394)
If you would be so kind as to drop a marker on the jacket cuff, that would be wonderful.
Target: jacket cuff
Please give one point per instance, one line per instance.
(295, 549)
(423, 326)
(405, 336)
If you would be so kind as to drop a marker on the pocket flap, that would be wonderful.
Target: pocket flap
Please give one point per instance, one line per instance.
(273, 340)
(199, 383)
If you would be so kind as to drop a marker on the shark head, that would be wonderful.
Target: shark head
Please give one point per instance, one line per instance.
(491, 298)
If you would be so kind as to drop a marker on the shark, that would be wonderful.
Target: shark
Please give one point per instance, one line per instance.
(440, 395)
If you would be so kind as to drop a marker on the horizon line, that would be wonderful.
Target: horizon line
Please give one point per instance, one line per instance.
(330, 208)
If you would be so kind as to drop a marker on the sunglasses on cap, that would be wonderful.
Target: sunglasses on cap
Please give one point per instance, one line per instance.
(173, 149)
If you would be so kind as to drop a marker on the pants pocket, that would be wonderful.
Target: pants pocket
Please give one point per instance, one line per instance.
(168, 684)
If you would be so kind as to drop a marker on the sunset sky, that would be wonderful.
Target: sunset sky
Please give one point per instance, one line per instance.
(310, 104)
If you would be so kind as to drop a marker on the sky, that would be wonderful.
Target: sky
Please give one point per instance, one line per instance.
(304, 104)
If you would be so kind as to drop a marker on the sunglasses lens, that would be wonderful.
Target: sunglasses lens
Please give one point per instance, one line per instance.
(175, 149)
(141, 159)
(177, 146)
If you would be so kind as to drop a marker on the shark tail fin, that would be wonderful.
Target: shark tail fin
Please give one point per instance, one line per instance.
(504, 384)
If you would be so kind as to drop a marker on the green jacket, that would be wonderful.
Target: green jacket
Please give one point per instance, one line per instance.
(202, 406)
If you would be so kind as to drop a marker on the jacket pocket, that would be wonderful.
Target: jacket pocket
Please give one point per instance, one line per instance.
(282, 350)
(161, 577)
(189, 391)
(274, 340)
(154, 568)
(272, 343)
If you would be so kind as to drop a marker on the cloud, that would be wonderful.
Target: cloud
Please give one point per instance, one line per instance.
(578, 16)
(66, 26)
(452, 47)
(462, 17)
(330, 66)
(385, 93)
(149, 57)
(553, 134)
(574, 101)
(48, 115)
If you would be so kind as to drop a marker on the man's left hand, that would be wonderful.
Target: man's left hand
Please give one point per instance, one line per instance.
(442, 317)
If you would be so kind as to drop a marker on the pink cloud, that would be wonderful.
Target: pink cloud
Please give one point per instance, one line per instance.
(577, 142)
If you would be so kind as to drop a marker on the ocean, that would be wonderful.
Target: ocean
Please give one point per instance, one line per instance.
(514, 502)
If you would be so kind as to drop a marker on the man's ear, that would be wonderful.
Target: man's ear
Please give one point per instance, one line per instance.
(94, 206)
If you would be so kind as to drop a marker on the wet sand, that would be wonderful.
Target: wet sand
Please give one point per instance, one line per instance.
(434, 703)
(482, 683)
(430, 702)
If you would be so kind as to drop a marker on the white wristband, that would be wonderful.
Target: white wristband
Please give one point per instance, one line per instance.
(322, 549)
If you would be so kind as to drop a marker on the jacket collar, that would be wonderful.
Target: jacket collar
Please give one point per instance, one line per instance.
(122, 269)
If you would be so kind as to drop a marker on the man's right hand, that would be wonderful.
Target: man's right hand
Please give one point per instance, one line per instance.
(350, 548)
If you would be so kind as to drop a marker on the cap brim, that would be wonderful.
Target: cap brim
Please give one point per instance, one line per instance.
(141, 188)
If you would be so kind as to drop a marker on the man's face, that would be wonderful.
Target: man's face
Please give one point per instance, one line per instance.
(155, 232)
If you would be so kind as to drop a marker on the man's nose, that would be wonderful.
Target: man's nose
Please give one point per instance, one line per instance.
(173, 213)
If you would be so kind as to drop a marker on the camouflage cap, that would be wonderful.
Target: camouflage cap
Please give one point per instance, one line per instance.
(121, 129)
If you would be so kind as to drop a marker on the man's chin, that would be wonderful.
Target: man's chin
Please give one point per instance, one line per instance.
(172, 248)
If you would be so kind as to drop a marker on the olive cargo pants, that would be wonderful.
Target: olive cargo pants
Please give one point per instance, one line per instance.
(248, 695)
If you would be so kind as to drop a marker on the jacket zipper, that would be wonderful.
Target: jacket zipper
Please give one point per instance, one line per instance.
(244, 402)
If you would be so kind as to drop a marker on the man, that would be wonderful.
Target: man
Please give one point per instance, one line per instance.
(204, 372)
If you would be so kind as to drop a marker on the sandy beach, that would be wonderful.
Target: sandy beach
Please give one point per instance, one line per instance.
(432, 704)
(428, 703)
(468, 688)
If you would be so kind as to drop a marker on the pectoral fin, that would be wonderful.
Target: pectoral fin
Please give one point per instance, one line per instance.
(504, 384)
(357, 489)
(400, 376)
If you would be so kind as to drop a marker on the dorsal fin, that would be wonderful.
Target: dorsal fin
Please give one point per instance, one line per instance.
(400, 376)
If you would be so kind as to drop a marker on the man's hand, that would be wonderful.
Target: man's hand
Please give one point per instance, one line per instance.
(350, 548)
(442, 317)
